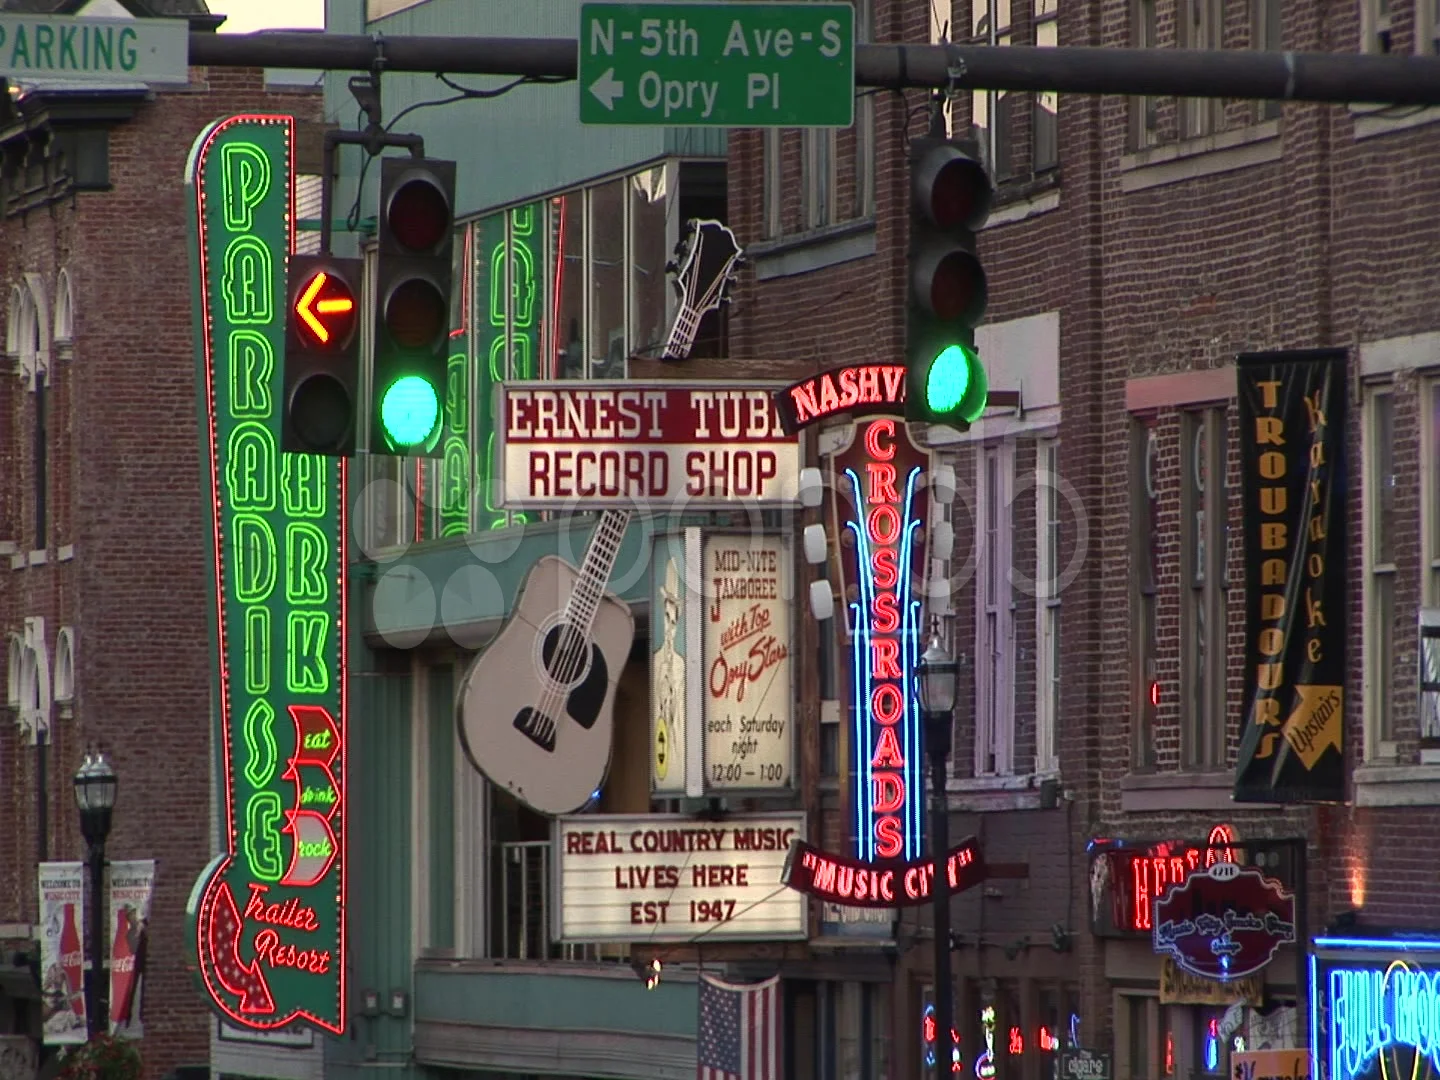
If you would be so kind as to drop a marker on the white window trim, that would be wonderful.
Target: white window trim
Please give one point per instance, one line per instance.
(1047, 608)
(1376, 748)
(1427, 28)
(1003, 688)
(1372, 25)
(1429, 492)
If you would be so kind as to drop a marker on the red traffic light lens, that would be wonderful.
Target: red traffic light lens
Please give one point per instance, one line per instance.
(961, 194)
(418, 214)
(322, 413)
(416, 315)
(955, 288)
(324, 311)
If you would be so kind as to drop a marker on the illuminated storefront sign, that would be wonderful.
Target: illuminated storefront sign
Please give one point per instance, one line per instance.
(268, 914)
(882, 884)
(659, 878)
(455, 475)
(859, 390)
(631, 445)
(882, 509)
(1132, 879)
(1375, 1009)
(1224, 922)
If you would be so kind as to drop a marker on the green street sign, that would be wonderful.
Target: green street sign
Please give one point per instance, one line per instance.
(268, 914)
(114, 50)
(718, 65)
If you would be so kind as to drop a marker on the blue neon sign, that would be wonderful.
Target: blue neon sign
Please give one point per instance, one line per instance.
(885, 523)
(1372, 1009)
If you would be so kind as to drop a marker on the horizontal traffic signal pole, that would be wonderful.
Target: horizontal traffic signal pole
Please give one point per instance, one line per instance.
(1228, 73)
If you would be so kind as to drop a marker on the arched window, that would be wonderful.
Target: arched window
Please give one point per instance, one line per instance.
(14, 320)
(14, 662)
(64, 332)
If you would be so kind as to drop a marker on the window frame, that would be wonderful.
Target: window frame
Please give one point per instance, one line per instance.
(1381, 743)
(1048, 521)
(1267, 33)
(995, 654)
(1201, 117)
(1144, 451)
(1144, 111)
(1202, 587)
(1376, 21)
(1427, 27)
(999, 149)
(1043, 20)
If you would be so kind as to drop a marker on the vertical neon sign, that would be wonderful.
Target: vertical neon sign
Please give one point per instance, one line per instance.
(507, 337)
(881, 473)
(454, 502)
(268, 913)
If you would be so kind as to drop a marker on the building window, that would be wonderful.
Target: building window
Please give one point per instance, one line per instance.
(863, 204)
(1046, 150)
(990, 109)
(1140, 1044)
(1145, 689)
(1211, 1053)
(1427, 27)
(565, 344)
(774, 183)
(1375, 25)
(1379, 553)
(1203, 509)
(1200, 28)
(1048, 569)
(818, 147)
(650, 248)
(1144, 111)
(994, 610)
(607, 207)
(1266, 34)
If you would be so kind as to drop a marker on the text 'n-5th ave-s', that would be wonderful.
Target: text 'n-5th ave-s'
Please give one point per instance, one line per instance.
(718, 65)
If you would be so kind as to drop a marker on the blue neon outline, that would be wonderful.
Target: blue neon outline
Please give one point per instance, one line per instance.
(865, 842)
(1380, 944)
(909, 643)
(1315, 1018)
(864, 676)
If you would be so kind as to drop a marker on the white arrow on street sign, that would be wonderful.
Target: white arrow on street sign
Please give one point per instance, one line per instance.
(607, 90)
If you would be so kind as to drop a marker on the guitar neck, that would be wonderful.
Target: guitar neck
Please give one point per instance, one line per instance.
(682, 334)
(600, 556)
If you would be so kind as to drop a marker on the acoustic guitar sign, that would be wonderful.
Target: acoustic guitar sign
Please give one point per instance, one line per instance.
(268, 914)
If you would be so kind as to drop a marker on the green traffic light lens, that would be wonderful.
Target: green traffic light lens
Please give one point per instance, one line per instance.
(409, 411)
(948, 380)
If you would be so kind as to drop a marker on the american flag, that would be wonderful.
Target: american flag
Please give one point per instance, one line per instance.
(739, 1030)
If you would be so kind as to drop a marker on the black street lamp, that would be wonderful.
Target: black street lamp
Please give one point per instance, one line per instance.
(936, 676)
(95, 791)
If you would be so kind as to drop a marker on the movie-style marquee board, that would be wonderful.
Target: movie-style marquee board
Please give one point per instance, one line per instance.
(268, 914)
(625, 444)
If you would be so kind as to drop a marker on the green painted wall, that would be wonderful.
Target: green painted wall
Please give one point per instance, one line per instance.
(379, 760)
(557, 1002)
(528, 142)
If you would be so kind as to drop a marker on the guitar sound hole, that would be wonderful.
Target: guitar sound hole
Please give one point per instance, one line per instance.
(566, 655)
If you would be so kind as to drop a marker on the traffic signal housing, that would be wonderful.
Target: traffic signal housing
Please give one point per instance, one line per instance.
(950, 197)
(413, 277)
(322, 356)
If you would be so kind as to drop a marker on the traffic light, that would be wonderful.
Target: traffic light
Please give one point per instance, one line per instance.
(322, 356)
(950, 195)
(412, 305)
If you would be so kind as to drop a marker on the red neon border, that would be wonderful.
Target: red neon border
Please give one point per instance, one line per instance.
(342, 951)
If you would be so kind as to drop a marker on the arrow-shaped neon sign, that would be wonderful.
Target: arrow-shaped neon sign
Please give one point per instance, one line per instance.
(307, 307)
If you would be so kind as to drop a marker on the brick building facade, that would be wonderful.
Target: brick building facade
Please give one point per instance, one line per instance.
(100, 508)
(1135, 248)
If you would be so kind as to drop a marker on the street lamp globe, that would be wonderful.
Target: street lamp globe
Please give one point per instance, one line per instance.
(937, 674)
(95, 790)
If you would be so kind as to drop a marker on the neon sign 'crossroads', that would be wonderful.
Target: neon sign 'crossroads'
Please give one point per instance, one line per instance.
(269, 912)
(885, 616)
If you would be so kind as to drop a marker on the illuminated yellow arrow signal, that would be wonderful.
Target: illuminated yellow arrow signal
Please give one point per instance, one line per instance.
(309, 308)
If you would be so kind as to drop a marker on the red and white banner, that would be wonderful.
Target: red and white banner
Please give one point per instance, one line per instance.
(62, 954)
(132, 884)
(665, 446)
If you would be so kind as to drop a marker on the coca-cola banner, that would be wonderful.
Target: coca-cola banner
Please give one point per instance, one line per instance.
(131, 886)
(62, 954)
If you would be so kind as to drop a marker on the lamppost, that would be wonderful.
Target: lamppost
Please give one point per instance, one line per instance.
(95, 791)
(936, 676)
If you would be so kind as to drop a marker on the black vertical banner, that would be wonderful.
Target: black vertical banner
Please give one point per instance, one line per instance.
(1292, 454)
